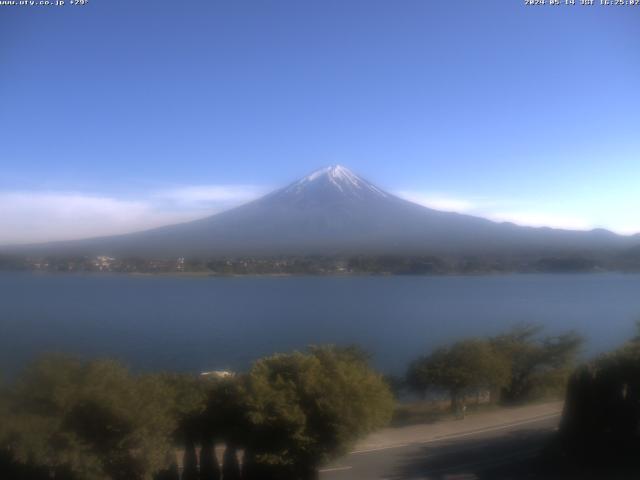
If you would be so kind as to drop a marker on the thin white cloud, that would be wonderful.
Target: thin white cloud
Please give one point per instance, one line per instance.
(204, 196)
(30, 217)
(438, 202)
(514, 212)
(541, 219)
(623, 229)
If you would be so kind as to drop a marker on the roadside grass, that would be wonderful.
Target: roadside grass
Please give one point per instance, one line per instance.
(432, 411)
(420, 412)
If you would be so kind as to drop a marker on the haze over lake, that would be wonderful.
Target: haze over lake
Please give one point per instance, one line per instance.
(195, 324)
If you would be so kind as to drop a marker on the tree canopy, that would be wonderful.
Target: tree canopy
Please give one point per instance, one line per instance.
(88, 421)
(600, 426)
(461, 368)
(536, 361)
(76, 420)
(518, 365)
(304, 409)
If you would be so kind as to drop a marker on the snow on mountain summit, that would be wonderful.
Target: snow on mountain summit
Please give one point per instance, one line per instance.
(335, 177)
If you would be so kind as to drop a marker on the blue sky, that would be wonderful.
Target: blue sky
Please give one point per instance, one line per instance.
(121, 115)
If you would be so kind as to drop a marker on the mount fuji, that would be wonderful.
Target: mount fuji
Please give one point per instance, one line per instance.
(333, 211)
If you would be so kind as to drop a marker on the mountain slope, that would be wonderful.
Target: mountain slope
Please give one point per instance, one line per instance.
(334, 211)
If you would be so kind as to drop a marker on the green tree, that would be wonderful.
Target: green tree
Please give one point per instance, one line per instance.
(187, 396)
(190, 462)
(460, 369)
(230, 464)
(600, 425)
(169, 473)
(209, 467)
(225, 420)
(537, 363)
(225, 415)
(304, 409)
(88, 421)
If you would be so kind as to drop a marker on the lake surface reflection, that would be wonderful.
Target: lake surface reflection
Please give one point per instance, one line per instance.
(196, 324)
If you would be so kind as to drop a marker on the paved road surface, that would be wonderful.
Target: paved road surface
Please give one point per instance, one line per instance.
(493, 446)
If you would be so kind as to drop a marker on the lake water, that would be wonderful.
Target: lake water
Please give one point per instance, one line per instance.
(196, 324)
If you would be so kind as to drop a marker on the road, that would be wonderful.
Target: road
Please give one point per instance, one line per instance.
(494, 446)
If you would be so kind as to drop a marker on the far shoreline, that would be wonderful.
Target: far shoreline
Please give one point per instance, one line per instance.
(317, 275)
